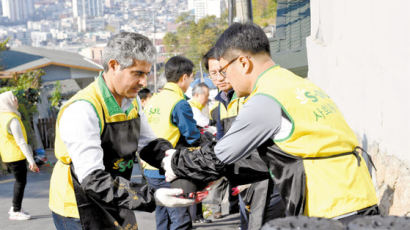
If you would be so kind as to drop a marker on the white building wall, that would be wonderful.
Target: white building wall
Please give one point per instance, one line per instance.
(17, 10)
(5, 4)
(203, 8)
(359, 53)
(213, 7)
(88, 8)
(191, 4)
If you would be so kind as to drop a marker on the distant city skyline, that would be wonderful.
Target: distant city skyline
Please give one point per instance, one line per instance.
(84, 26)
(17, 10)
(88, 8)
(203, 8)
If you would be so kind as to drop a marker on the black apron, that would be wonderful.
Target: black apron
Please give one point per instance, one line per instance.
(119, 141)
(288, 174)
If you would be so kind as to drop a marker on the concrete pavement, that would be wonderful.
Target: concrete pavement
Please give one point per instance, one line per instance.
(36, 203)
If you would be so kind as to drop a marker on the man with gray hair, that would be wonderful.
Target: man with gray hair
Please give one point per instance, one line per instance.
(98, 132)
(199, 100)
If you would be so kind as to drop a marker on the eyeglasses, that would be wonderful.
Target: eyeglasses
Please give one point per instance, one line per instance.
(214, 74)
(222, 71)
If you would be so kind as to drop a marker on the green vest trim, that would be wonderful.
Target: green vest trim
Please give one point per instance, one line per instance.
(263, 73)
(287, 114)
(109, 100)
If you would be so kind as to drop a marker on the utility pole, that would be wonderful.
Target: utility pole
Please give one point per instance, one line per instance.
(244, 11)
(155, 56)
(231, 11)
(249, 11)
(202, 74)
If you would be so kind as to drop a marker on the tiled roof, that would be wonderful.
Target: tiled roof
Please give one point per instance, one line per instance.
(28, 58)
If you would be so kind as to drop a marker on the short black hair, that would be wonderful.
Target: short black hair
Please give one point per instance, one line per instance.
(247, 37)
(144, 93)
(211, 54)
(176, 67)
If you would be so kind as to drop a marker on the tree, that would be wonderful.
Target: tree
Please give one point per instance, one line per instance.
(192, 39)
(264, 12)
(171, 40)
(3, 44)
(55, 98)
(25, 86)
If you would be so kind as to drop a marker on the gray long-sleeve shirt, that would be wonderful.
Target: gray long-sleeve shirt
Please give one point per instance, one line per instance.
(258, 120)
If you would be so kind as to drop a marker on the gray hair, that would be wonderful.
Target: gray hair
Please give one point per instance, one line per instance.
(126, 47)
(199, 89)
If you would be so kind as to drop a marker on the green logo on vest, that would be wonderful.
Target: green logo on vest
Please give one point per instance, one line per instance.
(314, 96)
(321, 112)
(153, 111)
(323, 106)
(122, 165)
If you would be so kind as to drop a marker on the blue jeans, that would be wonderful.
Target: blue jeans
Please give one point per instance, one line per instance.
(244, 215)
(66, 223)
(169, 218)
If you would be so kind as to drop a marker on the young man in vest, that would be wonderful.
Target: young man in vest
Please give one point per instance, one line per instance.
(98, 132)
(171, 118)
(312, 154)
(261, 204)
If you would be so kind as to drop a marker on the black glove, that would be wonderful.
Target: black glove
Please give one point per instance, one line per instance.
(206, 138)
(154, 152)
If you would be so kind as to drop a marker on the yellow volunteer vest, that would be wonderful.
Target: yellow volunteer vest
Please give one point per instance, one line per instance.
(10, 151)
(159, 114)
(334, 186)
(227, 115)
(233, 108)
(195, 104)
(214, 105)
(62, 198)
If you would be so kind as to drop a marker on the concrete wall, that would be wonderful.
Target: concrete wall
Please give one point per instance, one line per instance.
(359, 53)
(55, 73)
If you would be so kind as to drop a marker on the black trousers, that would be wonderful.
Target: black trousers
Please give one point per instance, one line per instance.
(19, 170)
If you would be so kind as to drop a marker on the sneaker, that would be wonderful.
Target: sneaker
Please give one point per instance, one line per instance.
(202, 221)
(21, 215)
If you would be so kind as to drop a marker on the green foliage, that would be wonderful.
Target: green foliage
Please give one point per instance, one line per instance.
(22, 81)
(3, 44)
(26, 88)
(171, 40)
(264, 12)
(55, 98)
(192, 39)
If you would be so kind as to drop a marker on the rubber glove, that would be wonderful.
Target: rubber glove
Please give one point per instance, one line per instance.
(168, 197)
(166, 164)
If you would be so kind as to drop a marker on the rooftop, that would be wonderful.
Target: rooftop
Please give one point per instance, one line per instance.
(26, 58)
